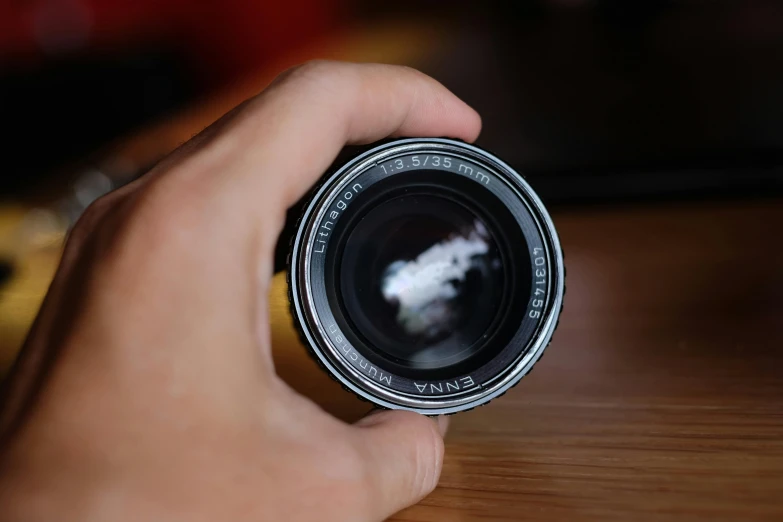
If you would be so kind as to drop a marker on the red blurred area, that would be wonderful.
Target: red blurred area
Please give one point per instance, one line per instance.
(220, 39)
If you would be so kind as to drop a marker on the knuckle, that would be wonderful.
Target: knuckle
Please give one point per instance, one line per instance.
(94, 221)
(314, 69)
(95, 233)
(321, 73)
(168, 213)
(148, 223)
(94, 214)
(407, 69)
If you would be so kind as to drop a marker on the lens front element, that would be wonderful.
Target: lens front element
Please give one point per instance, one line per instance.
(421, 278)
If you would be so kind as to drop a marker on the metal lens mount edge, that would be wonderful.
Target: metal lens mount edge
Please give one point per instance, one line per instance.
(339, 351)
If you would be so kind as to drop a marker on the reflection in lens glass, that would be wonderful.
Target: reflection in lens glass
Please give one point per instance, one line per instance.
(421, 280)
(423, 289)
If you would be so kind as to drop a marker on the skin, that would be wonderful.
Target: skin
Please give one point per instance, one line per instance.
(146, 389)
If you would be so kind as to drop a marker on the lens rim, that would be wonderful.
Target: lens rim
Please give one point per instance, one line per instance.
(307, 315)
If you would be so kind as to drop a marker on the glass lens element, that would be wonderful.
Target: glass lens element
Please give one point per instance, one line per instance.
(421, 279)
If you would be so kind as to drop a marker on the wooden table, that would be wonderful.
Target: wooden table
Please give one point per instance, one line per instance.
(661, 396)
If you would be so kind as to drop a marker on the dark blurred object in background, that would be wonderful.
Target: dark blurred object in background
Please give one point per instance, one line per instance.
(592, 99)
(62, 112)
(6, 269)
(612, 98)
(75, 74)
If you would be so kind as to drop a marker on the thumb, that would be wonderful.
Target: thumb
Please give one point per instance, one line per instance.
(404, 451)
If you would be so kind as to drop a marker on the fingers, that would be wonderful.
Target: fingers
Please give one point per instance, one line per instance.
(404, 454)
(266, 154)
(319, 107)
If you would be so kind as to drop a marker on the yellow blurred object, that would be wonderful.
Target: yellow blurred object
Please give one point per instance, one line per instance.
(34, 250)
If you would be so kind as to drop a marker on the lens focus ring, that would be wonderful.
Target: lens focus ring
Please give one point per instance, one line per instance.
(425, 274)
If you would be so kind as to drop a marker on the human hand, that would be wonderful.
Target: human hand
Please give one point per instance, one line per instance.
(146, 389)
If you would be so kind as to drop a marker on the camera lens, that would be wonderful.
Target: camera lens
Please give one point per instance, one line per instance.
(426, 275)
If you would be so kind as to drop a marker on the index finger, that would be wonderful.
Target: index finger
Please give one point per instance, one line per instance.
(274, 147)
(319, 107)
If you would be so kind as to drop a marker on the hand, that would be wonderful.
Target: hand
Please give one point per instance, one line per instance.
(146, 389)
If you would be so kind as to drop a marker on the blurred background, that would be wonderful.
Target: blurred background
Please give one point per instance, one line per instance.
(598, 102)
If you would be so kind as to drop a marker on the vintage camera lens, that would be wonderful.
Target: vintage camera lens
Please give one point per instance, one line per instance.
(425, 274)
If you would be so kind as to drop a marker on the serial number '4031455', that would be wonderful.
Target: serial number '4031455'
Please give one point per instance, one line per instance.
(539, 283)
